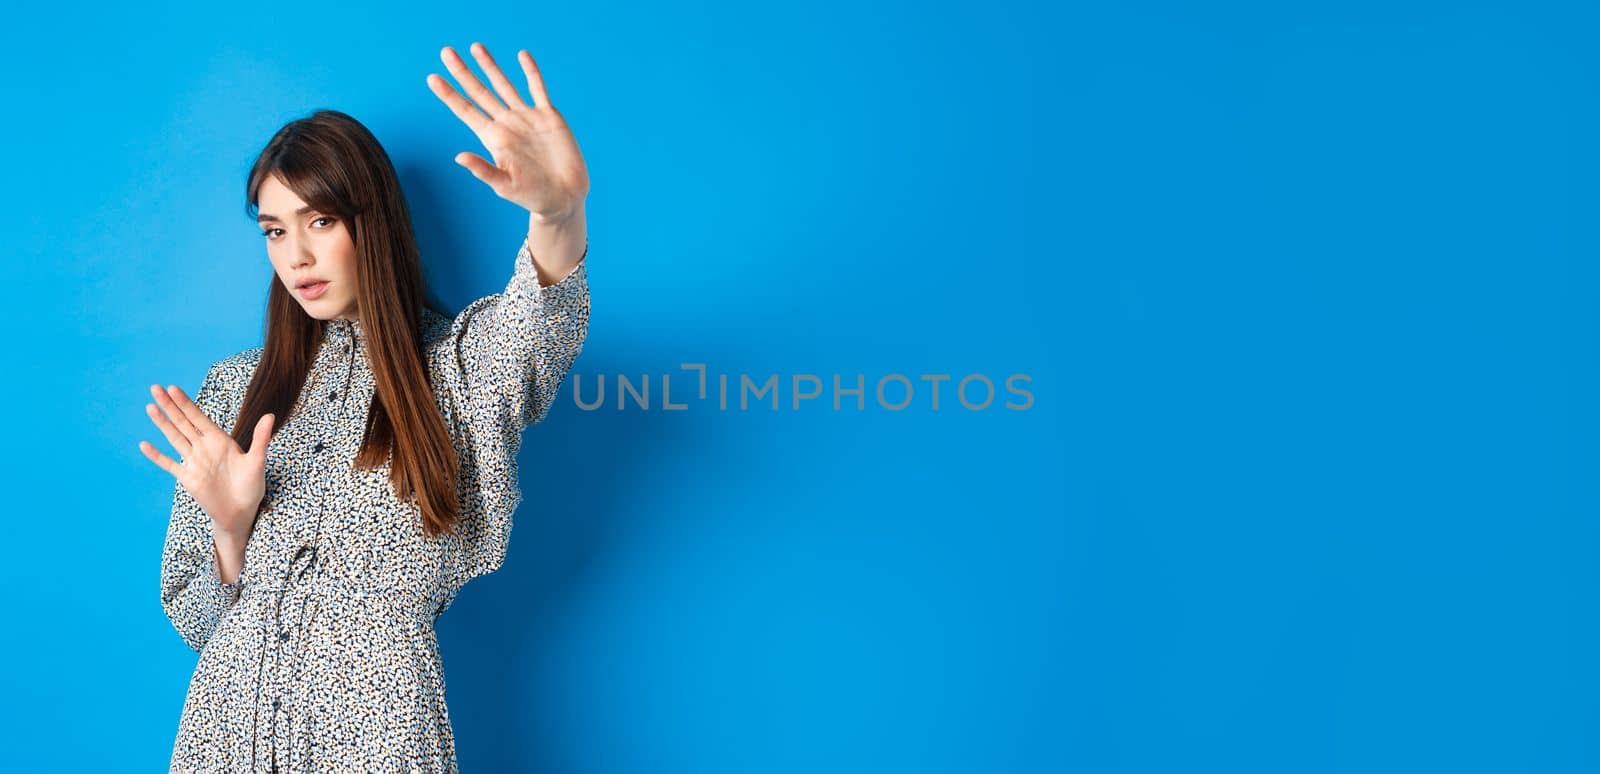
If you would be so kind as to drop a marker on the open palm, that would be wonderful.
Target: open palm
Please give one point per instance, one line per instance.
(227, 482)
(536, 162)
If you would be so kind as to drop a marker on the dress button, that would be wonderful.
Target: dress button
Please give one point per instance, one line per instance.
(333, 395)
(283, 636)
(276, 704)
(317, 447)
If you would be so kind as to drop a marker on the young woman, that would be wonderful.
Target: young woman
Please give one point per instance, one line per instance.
(338, 485)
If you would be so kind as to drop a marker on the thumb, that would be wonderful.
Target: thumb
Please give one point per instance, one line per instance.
(262, 435)
(482, 169)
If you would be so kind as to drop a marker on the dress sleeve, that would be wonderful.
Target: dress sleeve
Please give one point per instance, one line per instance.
(192, 595)
(515, 347)
(512, 350)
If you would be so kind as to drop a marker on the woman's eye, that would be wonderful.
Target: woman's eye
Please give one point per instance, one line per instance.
(269, 232)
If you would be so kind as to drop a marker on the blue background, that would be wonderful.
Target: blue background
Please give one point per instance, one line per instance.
(1306, 296)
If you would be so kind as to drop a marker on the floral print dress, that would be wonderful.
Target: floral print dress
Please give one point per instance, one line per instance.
(323, 657)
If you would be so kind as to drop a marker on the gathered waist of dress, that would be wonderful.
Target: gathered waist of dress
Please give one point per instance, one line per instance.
(335, 593)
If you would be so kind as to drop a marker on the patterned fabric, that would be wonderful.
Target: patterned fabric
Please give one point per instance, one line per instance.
(324, 657)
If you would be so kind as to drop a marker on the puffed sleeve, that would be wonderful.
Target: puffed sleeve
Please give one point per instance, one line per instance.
(515, 347)
(511, 352)
(192, 595)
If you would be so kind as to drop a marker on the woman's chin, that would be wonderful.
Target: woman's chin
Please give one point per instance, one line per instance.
(318, 312)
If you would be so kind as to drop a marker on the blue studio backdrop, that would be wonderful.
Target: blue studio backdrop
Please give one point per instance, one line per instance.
(1264, 337)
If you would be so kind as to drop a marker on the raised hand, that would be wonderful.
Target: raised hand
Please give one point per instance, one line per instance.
(227, 482)
(536, 162)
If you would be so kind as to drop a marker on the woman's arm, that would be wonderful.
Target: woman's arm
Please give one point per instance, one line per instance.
(192, 591)
(230, 557)
(557, 246)
(515, 347)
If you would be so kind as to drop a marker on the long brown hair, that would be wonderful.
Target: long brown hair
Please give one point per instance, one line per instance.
(337, 166)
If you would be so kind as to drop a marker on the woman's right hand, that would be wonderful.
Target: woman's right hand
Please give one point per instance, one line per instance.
(226, 481)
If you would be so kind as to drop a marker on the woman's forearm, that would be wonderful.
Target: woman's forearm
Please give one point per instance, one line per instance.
(557, 246)
(229, 556)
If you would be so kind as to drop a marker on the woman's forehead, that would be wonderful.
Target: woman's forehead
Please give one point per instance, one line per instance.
(275, 201)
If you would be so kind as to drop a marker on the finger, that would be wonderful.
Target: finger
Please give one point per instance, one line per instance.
(168, 403)
(202, 424)
(161, 460)
(167, 429)
(502, 84)
(483, 170)
(480, 94)
(535, 80)
(261, 436)
(464, 110)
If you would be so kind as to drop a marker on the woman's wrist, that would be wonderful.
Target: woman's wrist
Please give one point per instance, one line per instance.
(229, 550)
(558, 245)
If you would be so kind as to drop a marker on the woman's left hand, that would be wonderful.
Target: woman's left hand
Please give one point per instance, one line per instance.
(536, 160)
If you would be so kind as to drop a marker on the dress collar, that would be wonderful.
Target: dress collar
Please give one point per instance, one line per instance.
(344, 331)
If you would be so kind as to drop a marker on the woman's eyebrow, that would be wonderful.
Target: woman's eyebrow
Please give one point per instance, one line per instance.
(303, 210)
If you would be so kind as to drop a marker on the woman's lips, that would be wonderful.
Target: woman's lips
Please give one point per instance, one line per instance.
(313, 291)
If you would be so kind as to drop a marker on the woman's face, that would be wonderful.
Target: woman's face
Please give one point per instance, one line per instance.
(307, 246)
